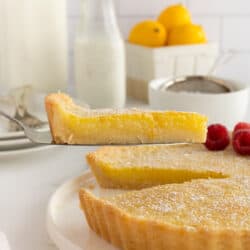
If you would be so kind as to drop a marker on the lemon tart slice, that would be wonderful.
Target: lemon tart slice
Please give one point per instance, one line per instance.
(72, 124)
(202, 214)
(134, 167)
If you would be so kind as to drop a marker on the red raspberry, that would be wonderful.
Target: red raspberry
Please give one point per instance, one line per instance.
(217, 137)
(241, 141)
(241, 125)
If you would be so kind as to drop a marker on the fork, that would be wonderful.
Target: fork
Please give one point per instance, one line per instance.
(39, 137)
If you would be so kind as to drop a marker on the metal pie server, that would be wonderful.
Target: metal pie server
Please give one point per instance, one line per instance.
(36, 136)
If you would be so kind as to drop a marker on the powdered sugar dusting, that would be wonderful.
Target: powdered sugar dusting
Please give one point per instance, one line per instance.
(202, 203)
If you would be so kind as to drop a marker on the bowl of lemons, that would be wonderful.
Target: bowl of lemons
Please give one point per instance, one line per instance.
(170, 46)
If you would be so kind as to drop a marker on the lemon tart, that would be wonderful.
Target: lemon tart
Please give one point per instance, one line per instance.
(134, 167)
(72, 124)
(197, 215)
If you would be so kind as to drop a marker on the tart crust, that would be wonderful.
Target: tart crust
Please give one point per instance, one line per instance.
(120, 221)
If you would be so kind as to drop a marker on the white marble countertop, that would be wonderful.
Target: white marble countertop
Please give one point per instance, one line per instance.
(26, 183)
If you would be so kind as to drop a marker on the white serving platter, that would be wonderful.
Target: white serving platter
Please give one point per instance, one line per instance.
(66, 223)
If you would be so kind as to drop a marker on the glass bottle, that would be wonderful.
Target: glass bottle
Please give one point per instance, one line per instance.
(99, 56)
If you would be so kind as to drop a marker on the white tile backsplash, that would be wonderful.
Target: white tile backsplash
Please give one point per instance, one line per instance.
(212, 26)
(225, 21)
(141, 7)
(235, 33)
(221, 7)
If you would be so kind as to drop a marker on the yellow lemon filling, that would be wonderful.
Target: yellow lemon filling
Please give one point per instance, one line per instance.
(137, 167)
(72, 124)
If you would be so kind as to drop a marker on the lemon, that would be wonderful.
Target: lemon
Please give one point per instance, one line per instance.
(148, 33)
(175, 15)
(187, 34)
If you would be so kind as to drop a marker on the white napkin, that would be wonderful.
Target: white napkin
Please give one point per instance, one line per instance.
(4, 244)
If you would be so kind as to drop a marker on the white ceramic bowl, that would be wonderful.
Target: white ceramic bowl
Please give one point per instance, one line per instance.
(226, 108)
